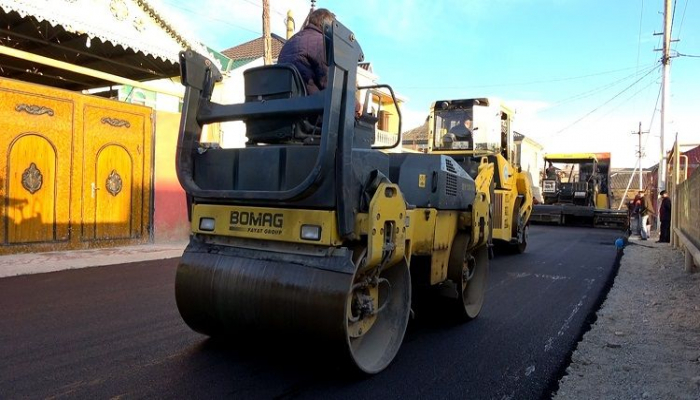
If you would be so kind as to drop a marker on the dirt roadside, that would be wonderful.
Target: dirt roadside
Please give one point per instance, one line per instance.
(645, 342)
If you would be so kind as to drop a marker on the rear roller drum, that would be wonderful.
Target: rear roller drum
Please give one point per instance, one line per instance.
(468, 270)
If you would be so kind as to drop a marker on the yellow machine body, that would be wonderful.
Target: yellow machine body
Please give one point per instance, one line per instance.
(576, 191)
(317, 233)
(492, 139)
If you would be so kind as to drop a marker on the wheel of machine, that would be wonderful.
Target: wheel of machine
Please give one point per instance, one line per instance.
(332, 302)
(521, 235)
(522, 240)
(378, 309)
(469, 272)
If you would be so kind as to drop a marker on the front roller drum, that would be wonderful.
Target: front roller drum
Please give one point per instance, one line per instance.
(221, 291)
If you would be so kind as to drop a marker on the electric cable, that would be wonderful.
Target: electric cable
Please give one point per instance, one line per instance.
(653, 115)
(223, 21)
(521, 83)
(633, 95)
(211, 18)
(608, 101)
(673, 16)
(682, 18)
(639, 36)
(598, 89)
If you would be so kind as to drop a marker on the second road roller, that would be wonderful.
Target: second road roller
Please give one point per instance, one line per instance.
(313, 230)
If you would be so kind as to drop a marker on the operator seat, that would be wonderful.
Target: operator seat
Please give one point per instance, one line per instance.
(270, 82)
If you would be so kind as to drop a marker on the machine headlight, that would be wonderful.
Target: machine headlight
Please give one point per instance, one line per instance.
(311, 232)
(207, 224)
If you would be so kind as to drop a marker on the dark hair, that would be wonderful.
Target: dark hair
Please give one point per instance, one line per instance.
(663, 192)
(320, 17)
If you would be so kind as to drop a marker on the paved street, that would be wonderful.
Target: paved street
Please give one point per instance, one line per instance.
(115, 331)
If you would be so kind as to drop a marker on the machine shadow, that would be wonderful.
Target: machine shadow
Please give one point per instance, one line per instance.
(288, 359)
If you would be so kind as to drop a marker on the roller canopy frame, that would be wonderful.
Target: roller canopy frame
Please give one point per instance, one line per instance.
(336, 103)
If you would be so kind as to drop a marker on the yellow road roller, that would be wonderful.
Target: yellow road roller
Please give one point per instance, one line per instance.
(312, 230)
(489, 134)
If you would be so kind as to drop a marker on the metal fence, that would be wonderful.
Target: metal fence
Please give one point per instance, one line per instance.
(685, 211)
(688, 208)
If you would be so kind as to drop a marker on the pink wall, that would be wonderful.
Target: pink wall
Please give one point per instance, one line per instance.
(170, 206)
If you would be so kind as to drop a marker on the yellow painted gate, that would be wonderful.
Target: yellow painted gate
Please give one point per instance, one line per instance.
(75, 170)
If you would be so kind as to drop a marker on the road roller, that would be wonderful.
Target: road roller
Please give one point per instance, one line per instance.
(313, 230)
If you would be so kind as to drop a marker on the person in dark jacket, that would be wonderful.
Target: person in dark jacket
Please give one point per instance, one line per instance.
(463, 130)
(305, 50)
(665, 217)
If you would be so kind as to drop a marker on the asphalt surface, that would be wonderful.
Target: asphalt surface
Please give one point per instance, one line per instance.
(115, 331)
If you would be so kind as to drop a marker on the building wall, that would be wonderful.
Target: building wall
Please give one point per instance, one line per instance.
(170, 206)
(230, 91)
(531, 156)
(169, 201)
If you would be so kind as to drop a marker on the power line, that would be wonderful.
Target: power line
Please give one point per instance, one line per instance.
(639, 34)
(224, 21)
(260, 6)
(521, 83)
(625, 101)
(653, 115)
(673, 16)
(687, 55)
(599, 89)
(639, 37)
(682, 18)
(608, 101)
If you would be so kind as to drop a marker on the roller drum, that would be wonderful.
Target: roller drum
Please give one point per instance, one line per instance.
(222, 291)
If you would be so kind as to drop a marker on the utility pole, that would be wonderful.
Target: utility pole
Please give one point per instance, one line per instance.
(640, 154)
(267, 39)
(666, 64)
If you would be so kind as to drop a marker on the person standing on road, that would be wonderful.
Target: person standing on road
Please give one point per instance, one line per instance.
(637, 204)
(665, 217)
(647, 211)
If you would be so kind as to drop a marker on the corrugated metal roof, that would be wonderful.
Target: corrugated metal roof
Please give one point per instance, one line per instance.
(126, 38)
(133, 24)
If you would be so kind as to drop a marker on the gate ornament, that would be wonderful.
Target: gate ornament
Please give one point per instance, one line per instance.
(115, 122)
(114, 183)
(32, 179)
(34, 109)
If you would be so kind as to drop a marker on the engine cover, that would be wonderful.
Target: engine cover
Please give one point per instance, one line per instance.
(432, 181)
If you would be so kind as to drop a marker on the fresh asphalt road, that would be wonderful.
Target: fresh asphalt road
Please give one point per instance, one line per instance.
(115, 331)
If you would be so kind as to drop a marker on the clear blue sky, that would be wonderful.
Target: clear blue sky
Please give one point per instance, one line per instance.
(581, 74)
